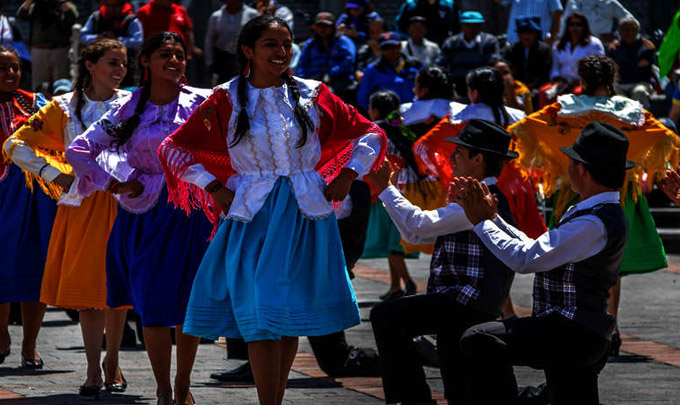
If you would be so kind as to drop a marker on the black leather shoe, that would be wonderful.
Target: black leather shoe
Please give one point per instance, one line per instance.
(241, 374)
(90, 391)
(392, 295)
(616, 344)
(31, 364)
(116, 387)
(411, 288)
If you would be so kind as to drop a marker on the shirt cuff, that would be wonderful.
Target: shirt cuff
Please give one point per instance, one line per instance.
(203, 179)
(49, 173)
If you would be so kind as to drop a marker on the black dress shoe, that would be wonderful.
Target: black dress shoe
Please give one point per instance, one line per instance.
(392, 295)
(116, 387)
(27, 364)
(90, 391)
(616, 344)
(241, 374)
(411, 288)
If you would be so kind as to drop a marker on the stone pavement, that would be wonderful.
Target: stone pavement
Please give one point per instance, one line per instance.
(650, 322)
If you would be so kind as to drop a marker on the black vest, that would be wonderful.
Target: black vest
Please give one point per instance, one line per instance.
(464, 268)
(579, 291)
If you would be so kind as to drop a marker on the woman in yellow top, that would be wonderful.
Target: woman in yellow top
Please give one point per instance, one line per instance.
(652, 148)
(75, 270)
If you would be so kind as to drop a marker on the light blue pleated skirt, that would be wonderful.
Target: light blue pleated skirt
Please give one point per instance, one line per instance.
(279, 275)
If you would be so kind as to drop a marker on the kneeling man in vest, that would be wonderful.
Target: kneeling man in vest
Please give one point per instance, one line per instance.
(467, 284)
(569, 332)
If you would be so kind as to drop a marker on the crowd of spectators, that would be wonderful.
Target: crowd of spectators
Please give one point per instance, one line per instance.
(536, 43)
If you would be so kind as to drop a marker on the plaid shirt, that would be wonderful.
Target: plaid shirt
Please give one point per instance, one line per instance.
(456, 266)
(554, 290)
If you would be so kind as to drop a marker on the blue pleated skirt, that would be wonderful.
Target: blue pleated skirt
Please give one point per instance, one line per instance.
(26, 220)
(151, 261)
(279, 275)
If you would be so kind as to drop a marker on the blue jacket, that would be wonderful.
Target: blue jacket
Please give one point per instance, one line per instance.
(337, 60)
(380, 76)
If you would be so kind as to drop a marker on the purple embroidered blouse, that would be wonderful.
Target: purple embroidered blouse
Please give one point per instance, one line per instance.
(97, 162)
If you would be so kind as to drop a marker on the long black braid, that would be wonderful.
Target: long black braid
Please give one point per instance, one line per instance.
(123, 131)
(250, 33)
(91, 53)
(489, 84)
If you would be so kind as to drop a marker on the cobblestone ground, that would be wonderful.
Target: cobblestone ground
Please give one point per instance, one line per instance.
(650, 322)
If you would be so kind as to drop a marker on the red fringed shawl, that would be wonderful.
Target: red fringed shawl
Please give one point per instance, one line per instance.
(203, 139)
(432, 154)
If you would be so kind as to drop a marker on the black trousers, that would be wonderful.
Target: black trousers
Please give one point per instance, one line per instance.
(570, 354)
(395, 324)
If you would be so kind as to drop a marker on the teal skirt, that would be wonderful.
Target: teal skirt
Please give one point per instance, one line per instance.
(279, 275)
(382, 237)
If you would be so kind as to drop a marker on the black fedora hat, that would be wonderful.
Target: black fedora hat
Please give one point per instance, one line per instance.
(601, 145)
(486, 137)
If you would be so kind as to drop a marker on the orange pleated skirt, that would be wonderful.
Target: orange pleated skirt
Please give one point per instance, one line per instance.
(428, 195)
(75, 270)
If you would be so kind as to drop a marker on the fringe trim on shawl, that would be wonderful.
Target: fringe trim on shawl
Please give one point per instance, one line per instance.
(54, 159)
(549, 173)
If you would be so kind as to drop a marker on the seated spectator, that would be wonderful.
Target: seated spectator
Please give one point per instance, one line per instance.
(115, 19)
(547, 12)
(224, 26)
(327, 57)
(51, 22)
(417, 46)
(164, 15)
(354, 21)
(635, 56)
(576, 43)
(370, 51)
(515, 94)
(530, 58)
(466, 284)
(272, 7)
(604, 16)
(470, 49)
(441, 17)
(394, 71)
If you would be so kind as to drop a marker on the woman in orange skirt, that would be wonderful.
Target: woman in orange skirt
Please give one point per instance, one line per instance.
(75, 270)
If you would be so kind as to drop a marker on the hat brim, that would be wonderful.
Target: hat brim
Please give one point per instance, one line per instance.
(569, 151)
(472, 21)
(390, 43)
(508, 154)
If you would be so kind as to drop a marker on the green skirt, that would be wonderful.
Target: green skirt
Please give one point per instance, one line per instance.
(382, 237)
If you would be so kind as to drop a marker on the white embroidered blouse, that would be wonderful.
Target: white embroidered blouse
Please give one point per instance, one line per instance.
(269, 151)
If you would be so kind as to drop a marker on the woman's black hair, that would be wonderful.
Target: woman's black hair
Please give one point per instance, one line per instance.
(91, 53)
(385, 102)
(489, 84)
(596, 71)
(250, 33)
(438, 82)
(123, 131)
(9, 49)
(566, 36)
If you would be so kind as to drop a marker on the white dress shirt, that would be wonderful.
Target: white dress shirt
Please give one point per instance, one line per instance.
(572, 242)
(417, 226)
